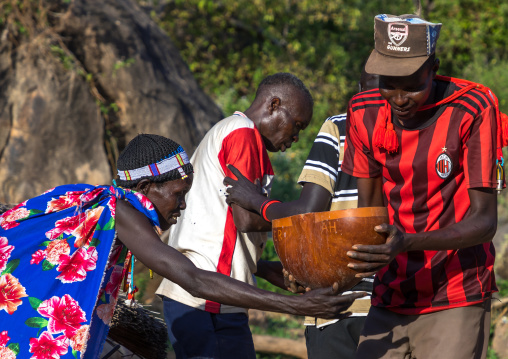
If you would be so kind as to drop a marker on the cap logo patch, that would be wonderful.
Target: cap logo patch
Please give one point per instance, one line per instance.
(444, 166)
(397, 33)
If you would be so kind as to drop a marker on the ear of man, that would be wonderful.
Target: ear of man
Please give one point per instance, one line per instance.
(275, 104)
(435, 67)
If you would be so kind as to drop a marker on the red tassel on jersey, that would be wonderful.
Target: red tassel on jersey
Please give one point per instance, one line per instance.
(384, 134)
(379, 136)
(391, 143)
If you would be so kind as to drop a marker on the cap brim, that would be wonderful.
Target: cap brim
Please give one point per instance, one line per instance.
(379, 64)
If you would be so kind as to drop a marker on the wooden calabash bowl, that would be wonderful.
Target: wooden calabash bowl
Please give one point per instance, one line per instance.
(313, 246)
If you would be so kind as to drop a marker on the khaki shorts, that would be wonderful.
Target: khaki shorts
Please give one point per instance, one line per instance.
(458, 333)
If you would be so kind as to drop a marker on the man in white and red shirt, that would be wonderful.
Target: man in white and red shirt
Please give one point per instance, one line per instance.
(230, 239)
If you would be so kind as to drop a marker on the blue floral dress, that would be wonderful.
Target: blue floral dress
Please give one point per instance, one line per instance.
(61, 271)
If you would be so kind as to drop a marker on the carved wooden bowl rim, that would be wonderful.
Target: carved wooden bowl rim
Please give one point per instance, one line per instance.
(341, 213)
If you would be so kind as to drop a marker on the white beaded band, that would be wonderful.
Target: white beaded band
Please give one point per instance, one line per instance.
(163, 166)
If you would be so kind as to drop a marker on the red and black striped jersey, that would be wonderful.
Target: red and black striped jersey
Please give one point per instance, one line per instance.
(425, 187)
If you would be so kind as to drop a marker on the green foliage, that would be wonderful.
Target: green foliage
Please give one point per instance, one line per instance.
(491, 354)
(231, 45)
(494, 75)
(47, 265)
(473, 32)
(502, 285)
(66, 60)
(21, 17)
(141, 281)
(269, 254)
(121, 64)
(24, 19)
(278, 327)
(107, 108)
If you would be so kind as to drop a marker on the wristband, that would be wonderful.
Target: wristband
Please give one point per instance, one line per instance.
(265, 206)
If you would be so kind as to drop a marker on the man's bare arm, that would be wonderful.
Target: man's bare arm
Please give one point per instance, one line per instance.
(135, 231)
(478, 226)
(313, 198)
(370, 192)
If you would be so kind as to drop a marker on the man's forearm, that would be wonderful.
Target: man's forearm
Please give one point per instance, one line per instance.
(248, 221)
(467, 233)
(272, 272)
(313, 198)
(479, 226)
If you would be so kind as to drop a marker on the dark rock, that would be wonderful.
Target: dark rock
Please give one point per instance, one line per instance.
(52, 132)
(73, 94)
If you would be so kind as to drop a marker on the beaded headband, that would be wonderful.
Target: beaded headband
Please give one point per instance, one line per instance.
(173, 161)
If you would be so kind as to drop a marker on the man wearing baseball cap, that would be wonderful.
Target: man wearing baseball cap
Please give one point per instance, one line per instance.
(426, 147)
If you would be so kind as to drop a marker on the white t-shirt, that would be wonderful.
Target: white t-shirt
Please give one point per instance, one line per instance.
(205, 232)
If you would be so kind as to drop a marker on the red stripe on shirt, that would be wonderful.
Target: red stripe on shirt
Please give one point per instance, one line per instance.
(226, 256)
(244, 149)
(409, 144)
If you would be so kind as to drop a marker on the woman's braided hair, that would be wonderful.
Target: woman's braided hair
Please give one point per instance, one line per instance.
(144, 150)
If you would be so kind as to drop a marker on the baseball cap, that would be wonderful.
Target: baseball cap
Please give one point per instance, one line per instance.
(402, 44)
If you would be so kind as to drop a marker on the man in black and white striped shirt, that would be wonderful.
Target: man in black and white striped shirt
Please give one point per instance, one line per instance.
(336, 338)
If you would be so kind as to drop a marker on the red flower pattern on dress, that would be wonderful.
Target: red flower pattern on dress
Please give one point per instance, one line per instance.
(47, 347)
(6, 353)
(65, 315)
(84, 232)
(112, 206)
(5, 252)
(115, 253)
(65, 225)
(38, 256)
(57, 204)
(79, 340)
(74, 267)
(144, 201)
(91, 195)
(106, 311)
(4, 338)
(10, 293)
(115, 280)
(56, 250)
(9, 219)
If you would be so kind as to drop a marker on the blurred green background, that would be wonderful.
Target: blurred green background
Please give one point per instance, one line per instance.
(231, 45)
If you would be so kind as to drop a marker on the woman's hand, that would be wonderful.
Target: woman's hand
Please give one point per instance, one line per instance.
(327, 303)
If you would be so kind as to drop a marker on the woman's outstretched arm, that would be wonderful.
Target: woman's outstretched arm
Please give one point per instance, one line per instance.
(135, 231)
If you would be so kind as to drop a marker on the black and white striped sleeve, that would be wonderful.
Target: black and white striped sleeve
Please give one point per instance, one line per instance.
(322, 164)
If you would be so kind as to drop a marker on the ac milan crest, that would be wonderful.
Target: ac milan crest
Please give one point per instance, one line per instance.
(444, 165)
(398, 33)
